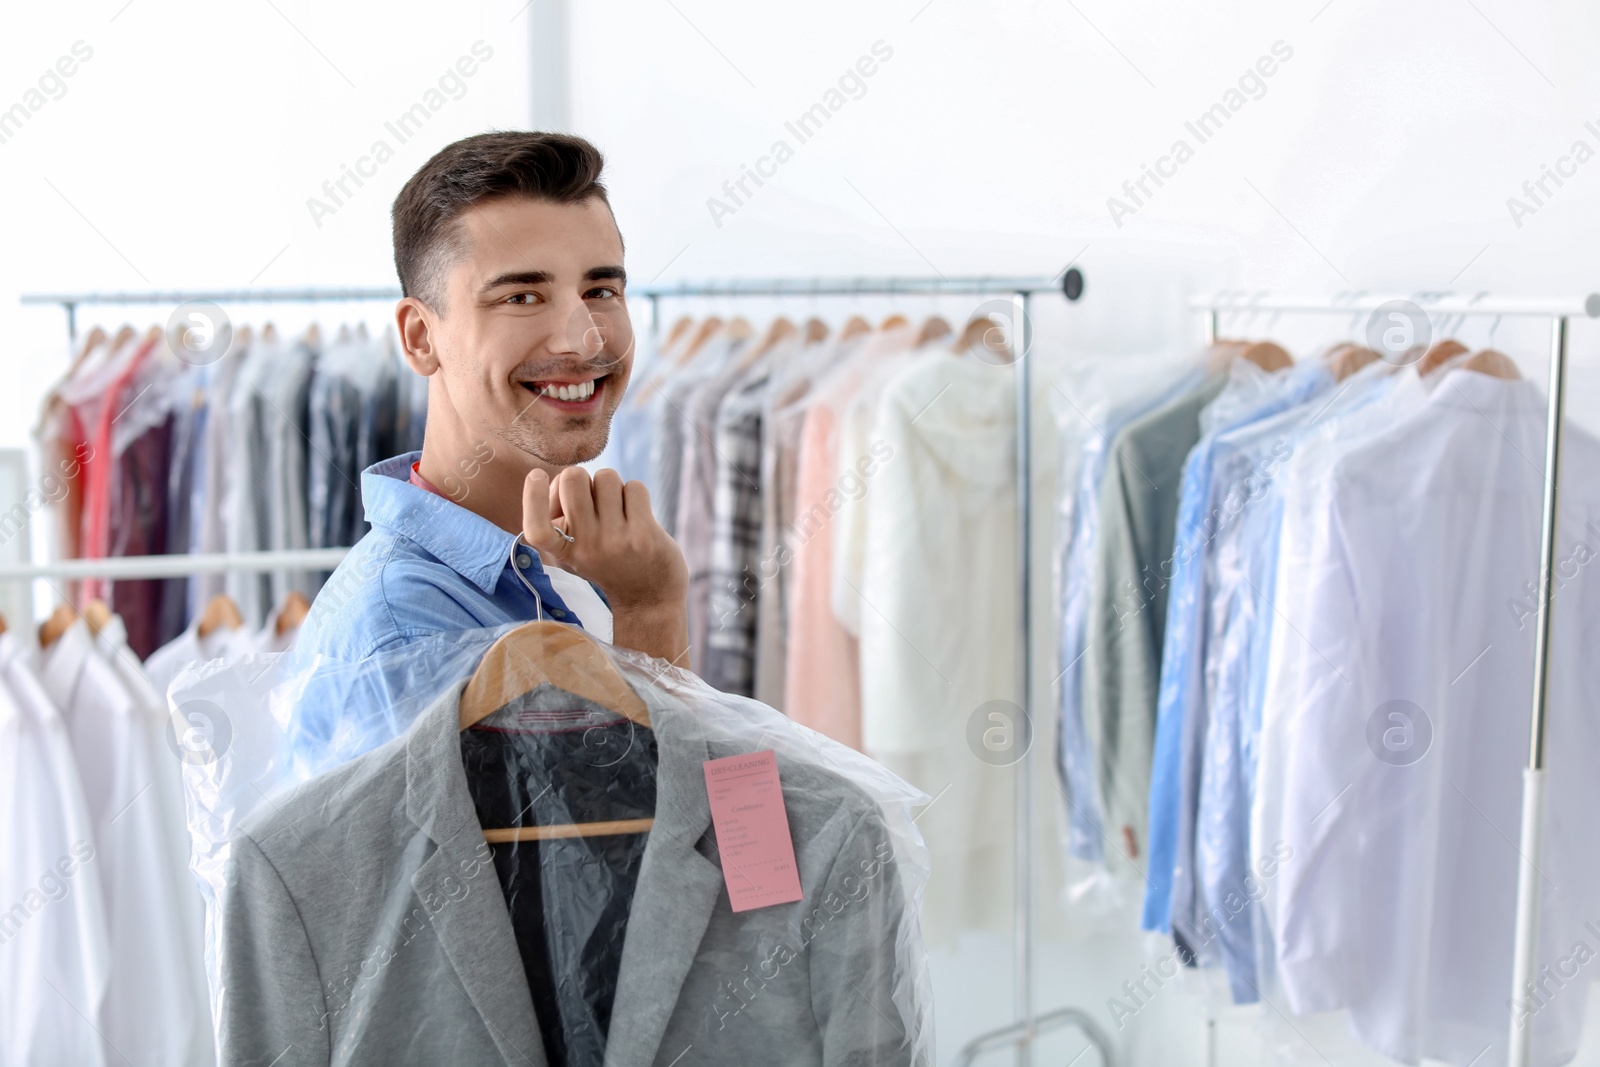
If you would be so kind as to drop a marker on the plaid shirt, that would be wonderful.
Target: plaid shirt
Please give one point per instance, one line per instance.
(735, 584)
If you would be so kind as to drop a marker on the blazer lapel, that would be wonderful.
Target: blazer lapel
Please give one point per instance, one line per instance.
(673, 902)
(461, 893)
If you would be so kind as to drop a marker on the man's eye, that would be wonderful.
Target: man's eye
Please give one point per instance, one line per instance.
(605, 292)
(522, 298)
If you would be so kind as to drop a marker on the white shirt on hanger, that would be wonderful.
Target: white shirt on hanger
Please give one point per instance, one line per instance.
(1398, 716)
(150, 1014)
(54, 954)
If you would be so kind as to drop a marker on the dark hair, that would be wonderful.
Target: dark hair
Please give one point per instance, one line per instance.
(542, 166)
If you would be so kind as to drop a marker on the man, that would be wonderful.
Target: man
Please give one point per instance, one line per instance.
(515, 310)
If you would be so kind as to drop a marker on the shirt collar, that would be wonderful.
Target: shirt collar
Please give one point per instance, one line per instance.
(464, 541)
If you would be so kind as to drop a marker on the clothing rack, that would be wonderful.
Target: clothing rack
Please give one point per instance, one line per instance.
(1027, 1024)
(178, 565)
(1560, 311)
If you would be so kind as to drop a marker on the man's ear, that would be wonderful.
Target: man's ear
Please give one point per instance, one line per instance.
(418, 326)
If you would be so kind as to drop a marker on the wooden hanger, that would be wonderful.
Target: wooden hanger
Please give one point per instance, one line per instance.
(855, 326)
(707, 329)
(777, 330)
(96, 337)
(292, 612)
(539, 653)
(220, 611)
(980, 333)
(1441, 353)
(97, 614)
(2, 624)
(933, 328)
(679, 328)
(1349, 358)
(894, 322)
(313, 335)
(816, 330)
(60, 619)
(269, 333)
(1267, 355)
(1494, 363)
(739, 329)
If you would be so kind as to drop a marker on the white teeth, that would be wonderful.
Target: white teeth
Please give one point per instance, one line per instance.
(580, 391)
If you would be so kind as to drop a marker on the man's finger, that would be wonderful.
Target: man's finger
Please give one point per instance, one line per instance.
(608, 498)
(636, 502)
(538, 501)
(577, 504)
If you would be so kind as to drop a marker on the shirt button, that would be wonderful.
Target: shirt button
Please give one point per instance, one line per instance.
(524, 559)
(558, 613)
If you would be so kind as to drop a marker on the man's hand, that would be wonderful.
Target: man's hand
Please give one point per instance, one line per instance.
(618, 545)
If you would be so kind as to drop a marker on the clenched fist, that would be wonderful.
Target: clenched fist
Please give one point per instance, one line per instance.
(618, 545)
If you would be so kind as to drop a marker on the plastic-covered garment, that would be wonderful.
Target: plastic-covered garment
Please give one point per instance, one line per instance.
(1106, 397)
(1397, 724)
(1238, 621)
(1249, 397)
(358, 915)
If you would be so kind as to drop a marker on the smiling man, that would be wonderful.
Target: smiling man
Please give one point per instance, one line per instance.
(515, 310)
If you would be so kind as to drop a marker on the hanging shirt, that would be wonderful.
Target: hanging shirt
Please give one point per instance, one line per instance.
(1128, 606)
(1205, 503)
(151, 1013)
(1252, 462)
(1402, 678)
(54, 954)
(1086, 444)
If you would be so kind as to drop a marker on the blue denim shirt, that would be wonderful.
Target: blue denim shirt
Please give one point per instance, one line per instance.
(428, 566)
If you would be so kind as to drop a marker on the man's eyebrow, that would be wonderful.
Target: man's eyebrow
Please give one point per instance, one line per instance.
(523, 277)
(595, 274)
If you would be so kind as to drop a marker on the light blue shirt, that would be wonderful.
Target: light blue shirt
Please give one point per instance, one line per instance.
(1243, 573)
(1180, 702)
(428, 566)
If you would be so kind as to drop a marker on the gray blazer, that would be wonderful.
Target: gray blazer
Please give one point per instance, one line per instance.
(364, 924)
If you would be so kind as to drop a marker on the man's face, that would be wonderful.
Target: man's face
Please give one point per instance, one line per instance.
(535, 347)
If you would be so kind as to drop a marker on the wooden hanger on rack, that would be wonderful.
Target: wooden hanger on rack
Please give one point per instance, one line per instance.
(1349, 358)
(1267, 355)
(708, 328)
(933, 328)
(540, 653)
(1439, 354)
(269, 333)
(96, 614)
(1494, 363)
(894, 322)
(220, 612)
(96, 338)
(679, 328)
(855, 326)
(985, 332)
(292, 612)
(816, 330)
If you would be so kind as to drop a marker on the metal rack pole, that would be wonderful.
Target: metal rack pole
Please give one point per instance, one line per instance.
(1526, 959)
(177, 565)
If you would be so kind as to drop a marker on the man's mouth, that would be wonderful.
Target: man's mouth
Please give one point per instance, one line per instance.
(567, 395)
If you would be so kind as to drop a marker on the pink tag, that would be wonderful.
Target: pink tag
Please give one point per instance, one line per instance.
(752, 830)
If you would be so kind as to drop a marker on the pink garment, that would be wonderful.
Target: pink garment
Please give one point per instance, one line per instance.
(823, 685)
(102, 469)
(822, 688)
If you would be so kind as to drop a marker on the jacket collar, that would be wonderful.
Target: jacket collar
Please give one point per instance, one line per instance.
(677, 891)
(462, 540)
